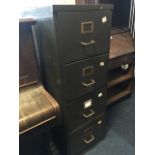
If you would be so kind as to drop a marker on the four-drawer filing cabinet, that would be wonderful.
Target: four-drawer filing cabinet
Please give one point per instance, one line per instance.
(73, 46)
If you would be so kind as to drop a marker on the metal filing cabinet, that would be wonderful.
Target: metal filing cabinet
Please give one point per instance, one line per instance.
(73, 47)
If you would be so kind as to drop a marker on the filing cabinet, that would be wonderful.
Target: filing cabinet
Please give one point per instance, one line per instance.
(73, 49)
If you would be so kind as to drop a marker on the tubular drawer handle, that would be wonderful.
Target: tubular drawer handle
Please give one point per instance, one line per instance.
(90, 140)
(87, 43)
(92, 112)
(88, 84)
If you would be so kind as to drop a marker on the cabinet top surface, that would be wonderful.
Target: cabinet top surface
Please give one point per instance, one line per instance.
(121, 44)
(66, 8)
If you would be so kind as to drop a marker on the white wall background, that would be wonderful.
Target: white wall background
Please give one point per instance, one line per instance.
(37, 3)
(24, 4)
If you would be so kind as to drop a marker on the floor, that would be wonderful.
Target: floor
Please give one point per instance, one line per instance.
(120, 137)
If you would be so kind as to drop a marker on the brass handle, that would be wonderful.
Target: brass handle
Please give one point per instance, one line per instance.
(90, 140)
(92, 112)
(89, 84)
(87, 43)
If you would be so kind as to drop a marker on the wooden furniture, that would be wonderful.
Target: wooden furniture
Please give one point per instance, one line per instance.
(121, 66)
(74, 61)
(38, 111)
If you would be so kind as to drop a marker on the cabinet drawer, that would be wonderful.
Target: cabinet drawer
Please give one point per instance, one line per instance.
(85, 109)
(85, 76)
(88, 35)
(125, 59)
(86, 137)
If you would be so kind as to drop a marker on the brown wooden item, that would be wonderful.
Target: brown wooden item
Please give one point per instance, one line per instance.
(28, 71)
(37, 108)
(38, 111)
(120, 44)
(121, 66)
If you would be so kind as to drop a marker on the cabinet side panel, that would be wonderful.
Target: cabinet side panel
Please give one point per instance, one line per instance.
(46, 39)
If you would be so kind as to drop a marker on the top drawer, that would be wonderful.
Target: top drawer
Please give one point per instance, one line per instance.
(83, 34)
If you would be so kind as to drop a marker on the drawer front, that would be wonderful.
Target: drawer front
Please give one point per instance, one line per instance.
(84, 34)
(86, 137)
(85, 76)
(86, 109)
(116, 62)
